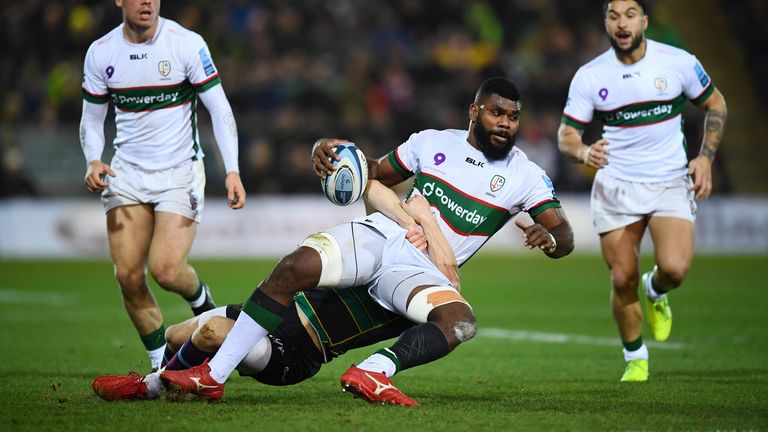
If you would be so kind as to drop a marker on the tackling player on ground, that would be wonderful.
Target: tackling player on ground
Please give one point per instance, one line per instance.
(153, 71)
(637, 89)
(321, 325)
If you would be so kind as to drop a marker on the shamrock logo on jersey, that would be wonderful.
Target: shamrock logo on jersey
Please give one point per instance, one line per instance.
(164, 67)
(497, 182)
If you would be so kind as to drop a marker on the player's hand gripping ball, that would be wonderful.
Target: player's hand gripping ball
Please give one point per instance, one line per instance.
(347, 183)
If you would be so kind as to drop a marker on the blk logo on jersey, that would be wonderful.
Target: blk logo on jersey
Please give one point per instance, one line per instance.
(138, 56)
(164, 67)
(471, 161)
(497, 182)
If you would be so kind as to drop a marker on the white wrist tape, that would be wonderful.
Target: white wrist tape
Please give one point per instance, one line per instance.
(554, 244)
(585, 154)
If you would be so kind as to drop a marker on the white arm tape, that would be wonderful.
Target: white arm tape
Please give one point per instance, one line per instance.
(330, 256)
(429, 298)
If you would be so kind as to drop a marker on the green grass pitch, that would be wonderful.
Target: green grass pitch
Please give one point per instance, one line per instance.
(546, 357)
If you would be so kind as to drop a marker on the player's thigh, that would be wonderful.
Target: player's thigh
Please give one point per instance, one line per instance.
(621, 249)
(353, 257)
(171, 241)
(129, 231)
(673, 242)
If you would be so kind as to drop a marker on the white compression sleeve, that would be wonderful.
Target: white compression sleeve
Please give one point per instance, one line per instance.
(224, 126)
(92, 130)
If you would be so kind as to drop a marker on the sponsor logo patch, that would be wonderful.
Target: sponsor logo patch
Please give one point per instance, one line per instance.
(703, 77)
(207, 63)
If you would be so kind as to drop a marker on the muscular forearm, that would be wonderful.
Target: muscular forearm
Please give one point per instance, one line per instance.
(440, 252)
(714, 129)
(563, 235)
(570, 143)
(382, 199)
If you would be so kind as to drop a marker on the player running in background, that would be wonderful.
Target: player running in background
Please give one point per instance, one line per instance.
(153, 71)
(322, 325)
(474, 181)
(637, 89)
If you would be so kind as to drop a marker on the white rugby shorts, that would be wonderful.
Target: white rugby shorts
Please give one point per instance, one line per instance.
(376, 253)
(616, 203)
(177, 190)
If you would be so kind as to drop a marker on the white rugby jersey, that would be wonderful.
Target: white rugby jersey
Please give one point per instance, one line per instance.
(153, 87)
(640, 107)
(471, 197)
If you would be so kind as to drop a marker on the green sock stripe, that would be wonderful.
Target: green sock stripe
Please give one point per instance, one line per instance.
(390, 355)
(197, 293)
(263, 317)
(154, 340)
(634, 345)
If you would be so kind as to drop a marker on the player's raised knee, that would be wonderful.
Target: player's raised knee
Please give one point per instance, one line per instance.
(674, 271)
(211, 334)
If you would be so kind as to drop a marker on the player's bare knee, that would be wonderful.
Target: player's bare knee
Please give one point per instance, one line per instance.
(130, 280)
(174, 337)
(673, 274)
(465, 330)
(624, 282)
(164, 273)
(211, 334)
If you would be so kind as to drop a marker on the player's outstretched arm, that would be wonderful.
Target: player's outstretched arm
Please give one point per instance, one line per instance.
(569, 141)
(382, 199)
(551, 232)
(439, 250)
(700, 168)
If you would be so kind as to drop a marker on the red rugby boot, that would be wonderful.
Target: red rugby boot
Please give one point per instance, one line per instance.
(373, 387)
(120, 387)
(196, 380)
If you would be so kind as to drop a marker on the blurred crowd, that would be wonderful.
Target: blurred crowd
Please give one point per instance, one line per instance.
(373, 71)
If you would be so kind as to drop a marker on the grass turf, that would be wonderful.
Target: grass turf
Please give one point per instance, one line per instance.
(546, 358)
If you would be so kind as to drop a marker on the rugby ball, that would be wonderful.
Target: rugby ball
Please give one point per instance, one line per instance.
(347, 183)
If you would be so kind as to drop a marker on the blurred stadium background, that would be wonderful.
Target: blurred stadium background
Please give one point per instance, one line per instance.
(373, 71)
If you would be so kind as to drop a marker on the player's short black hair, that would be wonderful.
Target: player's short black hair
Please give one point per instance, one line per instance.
(642, 4)
(500, 86)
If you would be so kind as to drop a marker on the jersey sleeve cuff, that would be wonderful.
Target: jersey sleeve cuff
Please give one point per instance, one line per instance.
(570, 121)
(207, 84)
(704, 95)
(398, 165)
(94, 98)
(539, 208)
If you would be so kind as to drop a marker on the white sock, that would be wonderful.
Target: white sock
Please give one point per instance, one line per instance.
(244, 335)
(154, 385)
(378, 363)
(649, 291)
(156, 357)
(200, 299)
(640, 353)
